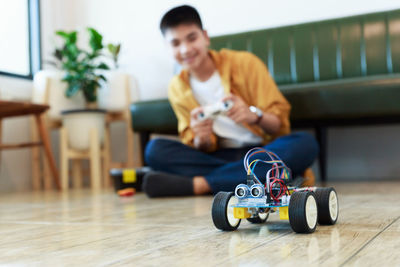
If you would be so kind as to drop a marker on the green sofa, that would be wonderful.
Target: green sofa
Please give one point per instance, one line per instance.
(338, 72)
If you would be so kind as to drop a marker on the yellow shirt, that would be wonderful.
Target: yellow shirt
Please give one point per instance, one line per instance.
(242, 74)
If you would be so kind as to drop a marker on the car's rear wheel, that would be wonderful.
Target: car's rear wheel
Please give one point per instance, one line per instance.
(328, 205)
(262, 217)
(222, 211)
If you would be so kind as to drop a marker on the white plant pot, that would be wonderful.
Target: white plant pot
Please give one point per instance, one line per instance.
(48, 88)
(79, 123)
(119, 90)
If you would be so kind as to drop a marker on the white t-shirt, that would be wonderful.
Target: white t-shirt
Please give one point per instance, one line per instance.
(231, 133)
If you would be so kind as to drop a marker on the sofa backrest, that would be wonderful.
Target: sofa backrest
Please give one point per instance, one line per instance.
(349, 47)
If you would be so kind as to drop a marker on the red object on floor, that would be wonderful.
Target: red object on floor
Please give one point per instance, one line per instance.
(127, 192)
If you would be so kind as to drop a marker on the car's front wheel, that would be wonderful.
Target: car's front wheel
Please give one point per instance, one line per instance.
(222, 211)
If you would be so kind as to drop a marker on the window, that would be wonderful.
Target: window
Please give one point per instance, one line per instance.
(19, 38)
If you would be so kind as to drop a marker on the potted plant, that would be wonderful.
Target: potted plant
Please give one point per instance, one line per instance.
(82, 68)
(82, 74)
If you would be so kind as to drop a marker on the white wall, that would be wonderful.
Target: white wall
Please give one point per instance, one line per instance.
(135, 24)
(353, 152)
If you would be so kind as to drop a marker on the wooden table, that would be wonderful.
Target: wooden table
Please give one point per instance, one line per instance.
(14, 109)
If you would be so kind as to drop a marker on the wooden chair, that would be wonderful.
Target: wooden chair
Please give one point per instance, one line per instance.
(13, 109)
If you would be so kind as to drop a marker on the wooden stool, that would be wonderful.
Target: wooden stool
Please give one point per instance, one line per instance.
(47, 87)
(95, 154)
(13, 109)
(41, 173)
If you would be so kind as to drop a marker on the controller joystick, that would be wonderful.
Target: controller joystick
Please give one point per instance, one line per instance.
(212, 111)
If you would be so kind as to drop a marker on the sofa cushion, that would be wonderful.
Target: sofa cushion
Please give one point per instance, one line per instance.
(345, 99)
(356, 98)
(155, 116)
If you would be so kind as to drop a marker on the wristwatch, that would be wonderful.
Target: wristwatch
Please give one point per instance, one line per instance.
(258, 112)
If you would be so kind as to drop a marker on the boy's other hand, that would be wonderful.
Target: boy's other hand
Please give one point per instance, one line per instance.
(202, 129)
(240, 112)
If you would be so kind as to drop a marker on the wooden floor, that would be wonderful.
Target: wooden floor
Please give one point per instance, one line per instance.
(85, 228)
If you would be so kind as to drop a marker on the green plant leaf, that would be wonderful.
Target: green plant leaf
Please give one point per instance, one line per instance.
(111, 48)
(114, 51)
(58, 54)
(117, 49)
(68, 77)
(72, 51)
(72, 89)
(96, 40)
(51, 63)
(70, 37)
(90, 91)
(103, 77)
(62, 34)
(103, 66)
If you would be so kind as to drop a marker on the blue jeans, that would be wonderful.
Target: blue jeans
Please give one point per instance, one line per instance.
(223, 169)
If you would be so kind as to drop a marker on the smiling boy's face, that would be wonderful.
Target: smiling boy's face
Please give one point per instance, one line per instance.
(189, 45)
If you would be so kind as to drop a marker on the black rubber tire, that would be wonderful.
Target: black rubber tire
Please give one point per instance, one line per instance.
(297, 212)
(219, 211)
(324, 215)
(258, 219)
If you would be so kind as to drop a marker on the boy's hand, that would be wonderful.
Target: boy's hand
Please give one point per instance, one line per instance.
(202, 129)
(240, 112)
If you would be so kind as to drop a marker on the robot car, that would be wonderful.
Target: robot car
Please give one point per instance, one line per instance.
(254, 201)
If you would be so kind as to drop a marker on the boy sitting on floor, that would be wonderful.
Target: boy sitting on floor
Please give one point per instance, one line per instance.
(209, 159)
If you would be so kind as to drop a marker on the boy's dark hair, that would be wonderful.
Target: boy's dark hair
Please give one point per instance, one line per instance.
(180, 15)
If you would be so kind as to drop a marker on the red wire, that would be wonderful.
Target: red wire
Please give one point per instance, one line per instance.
(282, 189)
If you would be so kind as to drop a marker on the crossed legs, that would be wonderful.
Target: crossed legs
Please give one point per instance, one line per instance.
(221, 170)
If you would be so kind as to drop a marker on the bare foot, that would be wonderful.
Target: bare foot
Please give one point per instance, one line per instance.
(200, 185)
